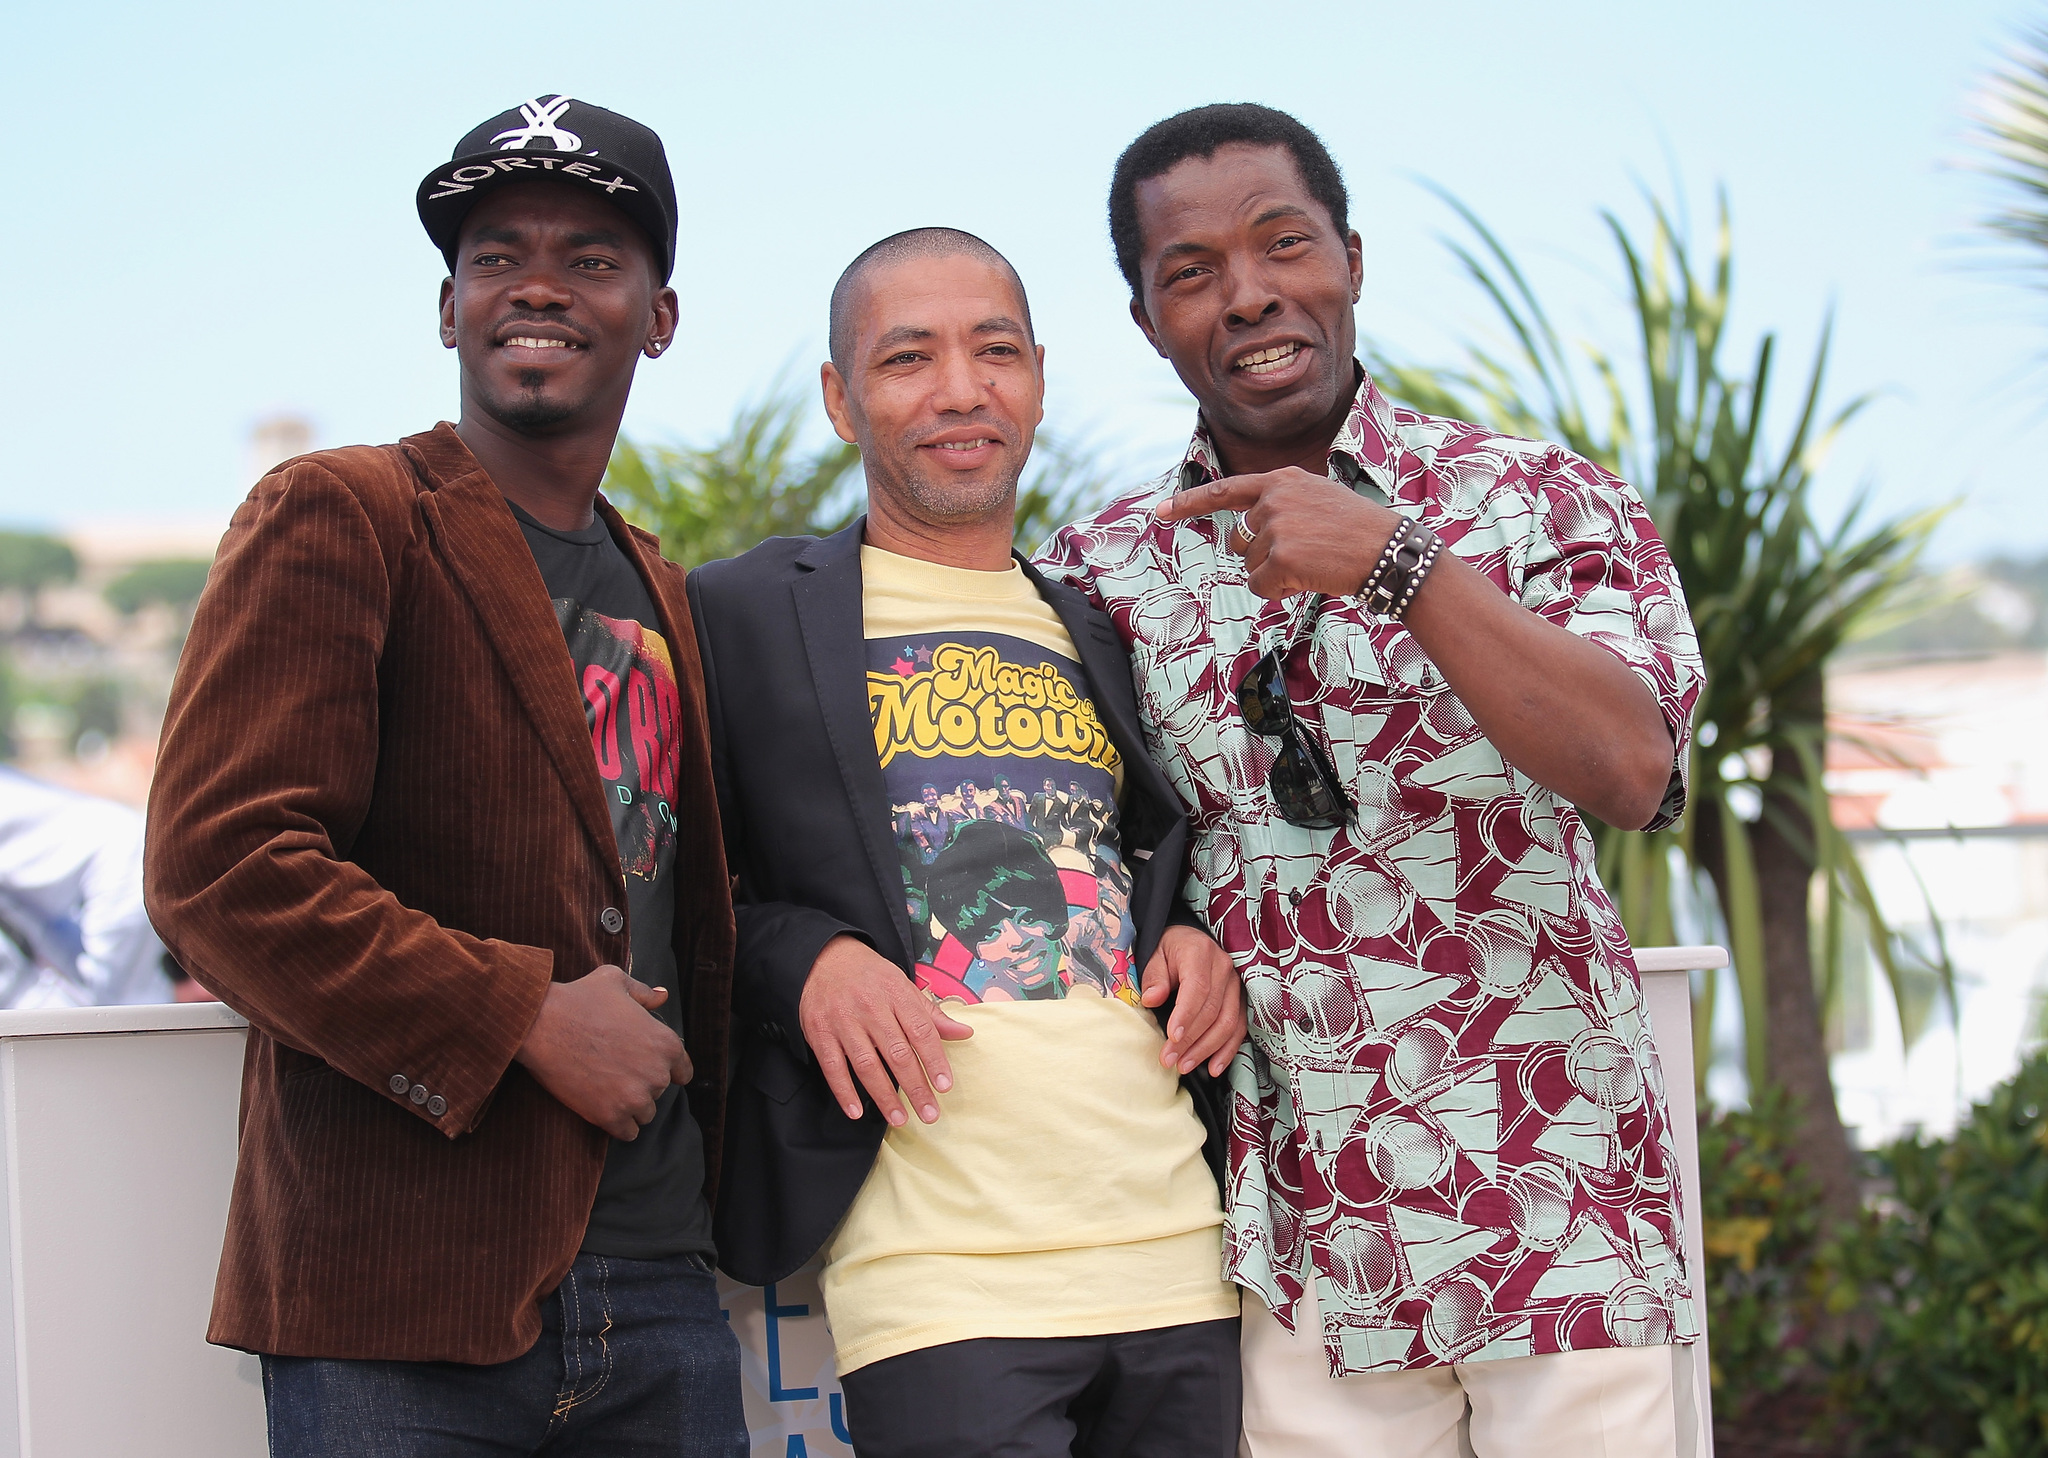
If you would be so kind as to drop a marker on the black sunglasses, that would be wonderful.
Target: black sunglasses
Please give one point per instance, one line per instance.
(1303, 782)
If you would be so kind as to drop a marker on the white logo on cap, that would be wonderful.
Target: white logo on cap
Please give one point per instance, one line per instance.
(541, 117)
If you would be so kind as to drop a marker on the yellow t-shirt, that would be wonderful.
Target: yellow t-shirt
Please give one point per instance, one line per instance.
(1063, 1191)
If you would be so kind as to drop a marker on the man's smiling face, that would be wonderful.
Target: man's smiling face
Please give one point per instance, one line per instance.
(943, 388)
(1022, 952)
(1247, 288)
(554, 296)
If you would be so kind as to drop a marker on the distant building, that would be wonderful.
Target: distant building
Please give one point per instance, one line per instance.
(1939, 773)
(277, 438)
(84, 642)
(106, 549)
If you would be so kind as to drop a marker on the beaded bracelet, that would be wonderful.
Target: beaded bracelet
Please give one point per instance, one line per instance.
(1397, 577)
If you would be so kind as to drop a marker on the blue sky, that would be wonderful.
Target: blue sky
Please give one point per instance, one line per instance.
(210, 216)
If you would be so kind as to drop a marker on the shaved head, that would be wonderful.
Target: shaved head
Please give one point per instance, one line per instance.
(918, 243)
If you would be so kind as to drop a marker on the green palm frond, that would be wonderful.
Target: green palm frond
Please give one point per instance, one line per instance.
(1772, 594)
(759, 480)
(2012, 130)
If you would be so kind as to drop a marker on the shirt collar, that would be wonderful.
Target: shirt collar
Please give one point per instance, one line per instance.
(1363, 452)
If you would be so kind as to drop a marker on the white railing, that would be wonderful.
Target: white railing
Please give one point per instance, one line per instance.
(1667, 989)
(117, 1139)
(117, 1147)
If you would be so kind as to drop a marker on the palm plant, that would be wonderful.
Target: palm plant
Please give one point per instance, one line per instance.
(757, 481)
(760, 481)
(2013, 133)
(1772, 594)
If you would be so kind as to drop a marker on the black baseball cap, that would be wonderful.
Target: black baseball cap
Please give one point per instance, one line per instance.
(556, 136)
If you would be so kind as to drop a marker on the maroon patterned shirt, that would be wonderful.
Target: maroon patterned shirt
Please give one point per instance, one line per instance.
(1449, 1115)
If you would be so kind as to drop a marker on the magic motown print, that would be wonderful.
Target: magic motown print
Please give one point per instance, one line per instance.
(1002, 788)
(631, 704)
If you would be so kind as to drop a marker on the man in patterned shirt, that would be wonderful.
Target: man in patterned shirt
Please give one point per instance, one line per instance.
(1453, 1200)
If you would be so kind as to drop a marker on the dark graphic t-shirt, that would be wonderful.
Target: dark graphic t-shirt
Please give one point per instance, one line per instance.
(1003, 785)
(650, 1202)
(1006, 820)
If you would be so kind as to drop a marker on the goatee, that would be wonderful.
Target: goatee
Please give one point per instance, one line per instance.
(533, 412)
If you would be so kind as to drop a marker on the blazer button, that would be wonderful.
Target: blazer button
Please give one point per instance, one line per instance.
(419, 1093)
(612, 920)
(437, 1106)
(400, 1083)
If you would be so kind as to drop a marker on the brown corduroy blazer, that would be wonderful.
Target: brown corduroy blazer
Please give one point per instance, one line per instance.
(377, 831)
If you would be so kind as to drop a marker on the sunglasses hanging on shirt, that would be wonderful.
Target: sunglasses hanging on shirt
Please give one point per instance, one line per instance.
(1303, 782)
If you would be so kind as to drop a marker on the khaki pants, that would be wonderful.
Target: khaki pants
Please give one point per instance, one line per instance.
(1619, 1402)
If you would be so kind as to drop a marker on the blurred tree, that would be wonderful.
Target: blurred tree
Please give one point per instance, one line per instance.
(756, 482)
(97, 706)
(1982, 607)
(31, 561)
(759, 481)
(174, 582)
(2012, 132)
(171, 582)
(98, 712)
(1772, 594)
(1064, 481)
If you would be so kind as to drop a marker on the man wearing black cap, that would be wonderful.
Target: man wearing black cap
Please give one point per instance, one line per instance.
(434, 812)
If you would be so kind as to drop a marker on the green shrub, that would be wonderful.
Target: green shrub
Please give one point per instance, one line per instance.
(98, 705)
(175, 582)
(31, 561)
(1763, 1281)
(1952, 1357)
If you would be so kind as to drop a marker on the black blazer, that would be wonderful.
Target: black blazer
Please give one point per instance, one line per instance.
(809, 840)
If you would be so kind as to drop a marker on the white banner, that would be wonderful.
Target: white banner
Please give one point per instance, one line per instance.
(794, 1407)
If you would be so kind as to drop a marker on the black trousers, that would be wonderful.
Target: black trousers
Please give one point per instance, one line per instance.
(1173, 1392)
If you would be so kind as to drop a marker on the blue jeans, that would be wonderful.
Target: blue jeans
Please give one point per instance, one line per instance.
(634, 1358)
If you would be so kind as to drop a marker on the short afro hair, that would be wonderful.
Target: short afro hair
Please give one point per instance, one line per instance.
(913, 243)
(1198, 133)
(990, 872)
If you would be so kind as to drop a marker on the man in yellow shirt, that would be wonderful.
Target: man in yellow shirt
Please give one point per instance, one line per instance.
(979, 1038)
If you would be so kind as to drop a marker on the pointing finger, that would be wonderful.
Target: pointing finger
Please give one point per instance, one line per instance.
(1233, 493)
